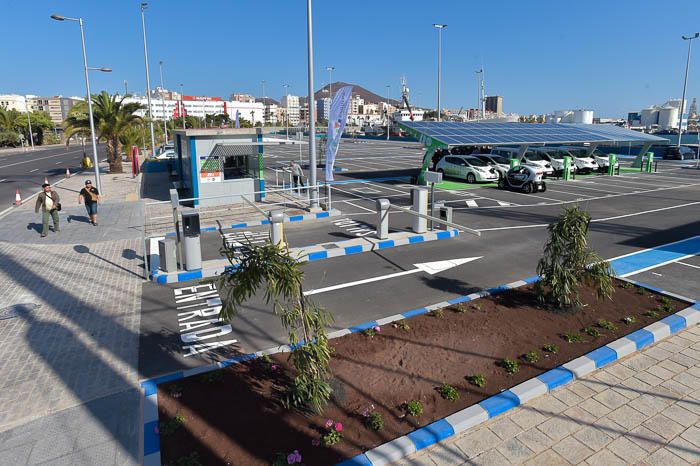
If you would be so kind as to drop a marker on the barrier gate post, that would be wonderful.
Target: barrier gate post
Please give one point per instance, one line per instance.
(383, 218)
(420, 205)
(276, 227)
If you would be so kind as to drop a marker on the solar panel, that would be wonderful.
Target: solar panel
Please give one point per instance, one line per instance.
(454, 133)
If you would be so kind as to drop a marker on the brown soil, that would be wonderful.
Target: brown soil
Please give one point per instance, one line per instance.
(237, 419)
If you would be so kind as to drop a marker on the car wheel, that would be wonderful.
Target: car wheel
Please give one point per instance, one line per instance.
(527, 188)
(471, 179)
(544, 186)
(501, 184)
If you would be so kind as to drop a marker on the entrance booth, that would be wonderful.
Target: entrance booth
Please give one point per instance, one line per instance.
(219, 165)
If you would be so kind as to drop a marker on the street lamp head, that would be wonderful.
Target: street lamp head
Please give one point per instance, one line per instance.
(58, 17)
(330, 68)
(697, 34)
(440, 26)
(144, 5)
(105, 70)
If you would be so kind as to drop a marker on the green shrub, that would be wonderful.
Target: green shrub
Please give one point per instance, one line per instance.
(439, 313)
(664, 300)
(413, 408)
(330, 438)
(626, 285)
(374, 421)
(567, 263)
(461, 308)
(448, 392)
(572, 337)
(629, 320)
(666, 308)
(641, 291)
(510, 365)
(592, 331)
(652, 314)
(607, 325)
(477, 379)
(550, 348)
(370, 332)
(171, 426)
(531, 357)
(403, 325)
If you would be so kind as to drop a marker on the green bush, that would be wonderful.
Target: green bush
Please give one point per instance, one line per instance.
(330, 438)
(666, 308)
(652, 314)
(413, 408)
(171, 426)
(550, 348)
(439, 313)
(567, 263)
(531, 357)
(664, 300)
(510, 365)
(607, 325)
(629, 320)
(592, 331)
(641, 291)
(448, 392)
(626, 285)
(374, 421)
(403, 325)
(477, 379)
(572, 337)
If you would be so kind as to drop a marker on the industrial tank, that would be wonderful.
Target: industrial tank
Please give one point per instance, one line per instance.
(649, 116)
(668, 117)
(583, 116)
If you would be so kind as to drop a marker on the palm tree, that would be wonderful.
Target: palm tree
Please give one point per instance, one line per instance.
(130, 137)
(112, 119)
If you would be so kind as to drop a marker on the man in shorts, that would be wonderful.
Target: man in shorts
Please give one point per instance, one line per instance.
(90, 196)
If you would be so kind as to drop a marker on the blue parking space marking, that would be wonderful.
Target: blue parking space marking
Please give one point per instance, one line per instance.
(415, 312)
(363, 326)
(386, 244)
(151, 439)
(359, 460)
(416, 239)
(314, 256)
(641, 338)
(602, 356)
(430, 434)
(500, 403)
(654, 257)
(353, 249)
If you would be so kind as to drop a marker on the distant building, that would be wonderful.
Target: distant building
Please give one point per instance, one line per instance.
(13, 102)
(57, 106)
(664, 117)
(494, 104)
(580, 116)
(237, 97)
(198, 107)
(292, 109)
(693, 110)
(323, 108)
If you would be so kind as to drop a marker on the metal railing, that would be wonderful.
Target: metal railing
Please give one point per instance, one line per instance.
(435, 219)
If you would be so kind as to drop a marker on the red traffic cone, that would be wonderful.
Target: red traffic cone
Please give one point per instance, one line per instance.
(18, 198)
(46, 180)
(67, 172)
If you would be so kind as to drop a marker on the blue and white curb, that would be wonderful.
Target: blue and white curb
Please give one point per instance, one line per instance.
(287, 219)
(526, 391)
(304, 254)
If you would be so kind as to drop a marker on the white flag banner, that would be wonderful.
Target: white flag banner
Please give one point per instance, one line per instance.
(338, 115)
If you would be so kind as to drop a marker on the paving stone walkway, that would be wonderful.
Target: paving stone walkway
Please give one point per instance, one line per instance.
(69, 321)
(643, 410)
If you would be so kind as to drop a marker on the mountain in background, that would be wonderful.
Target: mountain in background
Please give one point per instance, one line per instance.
(367, 95)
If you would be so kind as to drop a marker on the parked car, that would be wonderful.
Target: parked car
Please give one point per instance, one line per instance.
(556, 157)
(601, 158)
(539, 160)
(467, 168)
(164, 147)
(167, 154)
(525, 178)
(679, 153)
(500, 164)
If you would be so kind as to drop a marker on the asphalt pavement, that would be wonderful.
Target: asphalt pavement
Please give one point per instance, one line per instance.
(26, 170)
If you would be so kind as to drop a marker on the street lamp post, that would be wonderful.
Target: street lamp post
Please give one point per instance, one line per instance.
(286, 111)
(387, 111)
(29, 120)
(685, 84)
(162, 100)
(182, 105)
(126, 88)
(89, 96)
(313, 201)
(330, 70)
(439, 27)
(144, 5)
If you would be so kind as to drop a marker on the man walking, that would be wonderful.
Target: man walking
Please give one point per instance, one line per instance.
(50, 203)
(297, 174)
(90, 196)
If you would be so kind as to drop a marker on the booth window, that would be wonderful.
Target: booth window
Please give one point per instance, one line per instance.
(235, 166)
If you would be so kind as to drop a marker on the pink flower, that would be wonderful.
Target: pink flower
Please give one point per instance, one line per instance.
(315, 442)
(329, 423)
(377, 328)
(365, 412)
(273, 367)
(338, 427)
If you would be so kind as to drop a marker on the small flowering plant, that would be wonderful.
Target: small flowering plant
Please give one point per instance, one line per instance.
(283, 459)
(372, 419)
(331, 433)
(370, 332)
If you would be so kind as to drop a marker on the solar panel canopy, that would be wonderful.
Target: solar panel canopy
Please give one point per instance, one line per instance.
(453, 133)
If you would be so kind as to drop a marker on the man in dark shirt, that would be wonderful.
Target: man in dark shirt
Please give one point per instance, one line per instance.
(90, 196)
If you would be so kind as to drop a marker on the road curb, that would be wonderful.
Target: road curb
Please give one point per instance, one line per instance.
(310, 253)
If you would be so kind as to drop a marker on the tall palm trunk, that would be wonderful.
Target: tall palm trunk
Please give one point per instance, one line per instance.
(114, 155)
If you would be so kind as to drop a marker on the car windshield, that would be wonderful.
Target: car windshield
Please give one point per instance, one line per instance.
(501, 160)
(476, 162)
(556, 154)
(536, 157)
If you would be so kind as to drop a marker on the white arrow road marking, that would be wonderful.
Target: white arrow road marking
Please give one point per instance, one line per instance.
(471, 203)
(428, 267)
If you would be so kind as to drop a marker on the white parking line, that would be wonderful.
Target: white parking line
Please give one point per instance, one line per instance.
(578, 186)
(471, 203)
(4, 179)
(688, 265)
(32, 171)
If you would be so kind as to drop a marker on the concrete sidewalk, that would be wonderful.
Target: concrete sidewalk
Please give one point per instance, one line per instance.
(69, 321)
(643, 410)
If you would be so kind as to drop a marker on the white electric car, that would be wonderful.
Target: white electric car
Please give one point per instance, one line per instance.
(499, 163)
(467, 168)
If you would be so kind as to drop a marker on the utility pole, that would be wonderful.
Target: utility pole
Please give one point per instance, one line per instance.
(126, 88)
(330, 70)
(313, 201)
(439, 27)
(144, 5)
(162, 100)
(182, 105)
(286, 112)
(685, 84)
(29, 119)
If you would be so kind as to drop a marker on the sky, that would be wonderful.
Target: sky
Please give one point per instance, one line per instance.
(612, 56)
